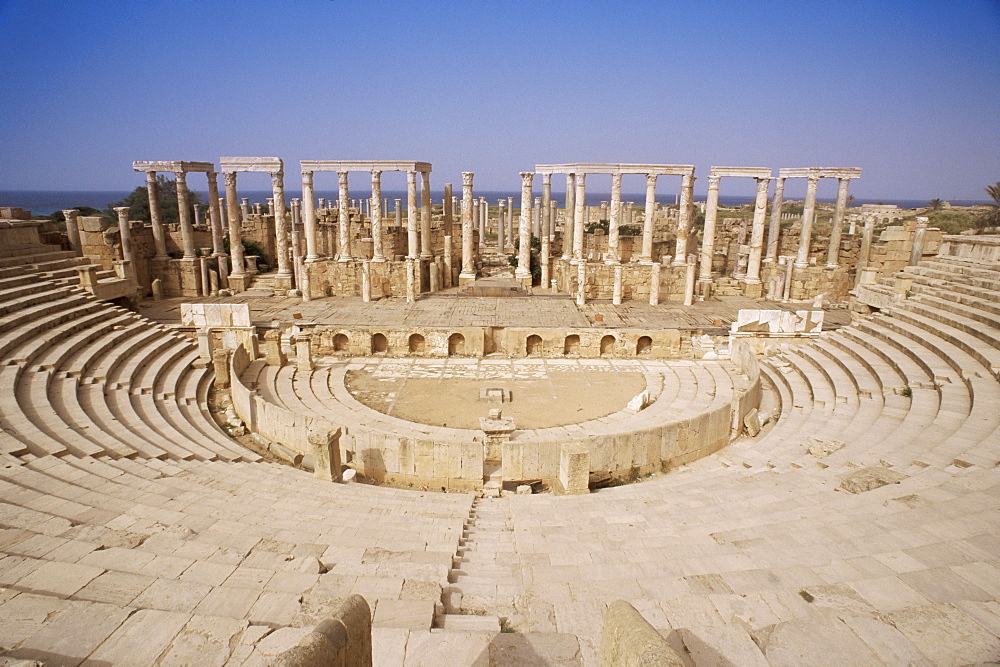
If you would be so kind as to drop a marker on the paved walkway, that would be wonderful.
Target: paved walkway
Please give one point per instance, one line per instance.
(449, 309)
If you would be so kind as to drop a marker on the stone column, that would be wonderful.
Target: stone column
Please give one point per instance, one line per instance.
(159, 238)
(684, 220)
(569, 207)
(501, 219)
(546, 226)
(647, 222)
(377, 216)
(184, 210)
(708, 243)
(917, 249)
(223, 258)
(757, 232)
(523, 271)
(412, 223)
(309, 216)
(833, 254)
(343, 219)
(447, 263)
(425, 216)
(233, 215)
(581, 283)
(399, 214)
(296, 247)
(615, 220)
(447, 210)
(280, 229)
(477, 219)
(73, 229)
(244, 210)
(197, 215)
(774, 227)
(510, 224)
(536, 218)
(468, 273)
(215, 215)
(553, 212)
(689, 281)
(126, 235)
(808, 213)
(616, 290)
(864, 256)
(579, 213)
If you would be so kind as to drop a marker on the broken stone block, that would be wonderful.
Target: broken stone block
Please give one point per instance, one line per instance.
(752, 423)
(822, 448)
(870, 478)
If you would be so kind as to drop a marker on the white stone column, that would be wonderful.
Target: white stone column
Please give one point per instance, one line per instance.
(155, 217)
(126, 235)
(296, 247)
(864, 256)
(477, 219)
(412, 223)
(73, 229)
(184, 211)
(569, 208)
(615, 220)
(774, 226)
(833, 254)
(684, 220)
(426, 252)
(579, 215)
(536, 218)
(757, 232)
(546, 225)
(197, 215)
(654, 283)
(377, 216)
(689, 279)
(215, 215)
(447, 210)
(468, 273)
(808, 214)
(647, 223)
(343, 218)
(510, 224)
(501, 230)
(244, 210)
(581, 281)
(708, 243)
(399, 214)
(523, 271)
(308, 216)
(553, 213)
(616, 290)
(280, 224)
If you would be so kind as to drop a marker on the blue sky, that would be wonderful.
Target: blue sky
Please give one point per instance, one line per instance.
(909, 91)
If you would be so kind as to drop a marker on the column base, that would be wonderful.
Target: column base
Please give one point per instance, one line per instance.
(612, 262)
(283, 281)
(466, 278)
(832, 266)
(345, 259)
(378, 259)
(646, 261)
(239, 283)
(801, 265)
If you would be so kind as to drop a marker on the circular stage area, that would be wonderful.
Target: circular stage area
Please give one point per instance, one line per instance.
(536, 394)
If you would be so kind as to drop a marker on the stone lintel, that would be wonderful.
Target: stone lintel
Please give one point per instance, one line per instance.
(820, 172)
(746, 172)
(268, 165)
(176, 166)
(616, 168)
(364, 165)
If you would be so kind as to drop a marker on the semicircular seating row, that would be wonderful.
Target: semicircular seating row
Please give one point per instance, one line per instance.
(131, 526)
(755, 554)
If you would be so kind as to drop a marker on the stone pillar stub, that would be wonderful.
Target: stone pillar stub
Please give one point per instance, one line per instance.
(73, 229)
(184, 211)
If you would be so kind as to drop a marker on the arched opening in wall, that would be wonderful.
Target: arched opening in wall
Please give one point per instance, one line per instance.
(379, 343)
(340, 343)
(572, 344)
(643, 345)
(456, 344)
(533, 345)
(416, 344)
(607, 346)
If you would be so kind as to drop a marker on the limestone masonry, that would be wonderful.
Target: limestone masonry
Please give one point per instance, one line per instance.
(466, 432)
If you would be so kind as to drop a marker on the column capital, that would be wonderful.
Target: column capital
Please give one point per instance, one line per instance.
(342, 177)
(121, 211)
(467, 177)
(181, 177)
(70, 213)
(713, 181)
(546, 179)
(411, 177)
(376, 174)
(307, 177)
(763, 183)
(651, 180)
(616, 178)
(921, 222)
(813, 179)
(580, 178)
(150, 175)
(527, 178)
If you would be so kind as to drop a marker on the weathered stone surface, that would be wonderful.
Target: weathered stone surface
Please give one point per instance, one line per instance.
(821, 448)
(870, 478)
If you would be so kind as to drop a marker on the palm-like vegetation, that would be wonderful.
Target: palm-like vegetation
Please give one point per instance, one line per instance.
(990, 218)
(936, 204)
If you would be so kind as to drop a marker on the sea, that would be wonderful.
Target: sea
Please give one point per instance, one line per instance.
(44, 202)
